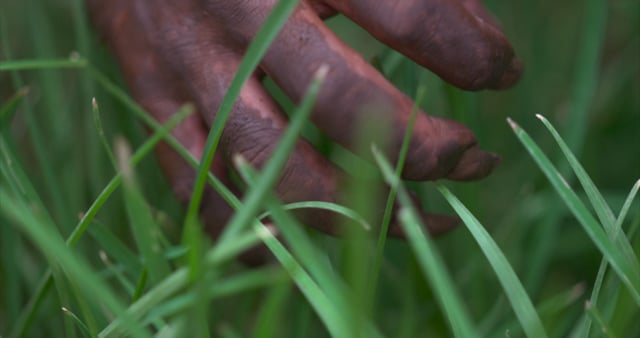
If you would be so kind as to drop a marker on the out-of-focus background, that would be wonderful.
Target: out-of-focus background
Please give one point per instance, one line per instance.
(582, 73)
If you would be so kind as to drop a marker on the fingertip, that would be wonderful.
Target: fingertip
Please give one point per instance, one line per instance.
(510, 75)
(435, 224)
(439, 224)
(474, 164)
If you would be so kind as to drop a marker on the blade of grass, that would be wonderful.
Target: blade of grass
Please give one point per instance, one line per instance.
(625, 208)
(116, 248)
(586, 324)
(587, 71)
(95, 111)
(45, 283)
(607, 219)
(25, 193)
(15, 65)
(141, 221)
(562, 301)
(75, 268)
(122, 97)
(9, 108)
(311, 259)
(595, 315)
(272, 311)
(431, 264)
(83, 328)
(259, 191)
(629, 272)
(140, 285)
(324, 307)
(549, 308)
(11, 246)
(388, 211)
(517, 295)
(178, 280)
(597, 201)
(595, 294)
(36, 134)
(192, 231)
(243, 282)
(273, 167)
(255, 51)
(337, 208)
(117, 272)
(144, 150)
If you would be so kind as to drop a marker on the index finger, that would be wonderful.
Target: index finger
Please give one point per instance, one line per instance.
(453, 38)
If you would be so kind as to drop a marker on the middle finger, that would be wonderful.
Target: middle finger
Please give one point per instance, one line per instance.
(439, 147)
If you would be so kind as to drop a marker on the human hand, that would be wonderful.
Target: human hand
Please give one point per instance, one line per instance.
(172, 52)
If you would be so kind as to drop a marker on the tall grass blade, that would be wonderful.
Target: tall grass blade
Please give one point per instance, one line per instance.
(256, 50)
(311, 259)
(114, 247)
(272, 311)
(597, 201)
(36, 134)
(76, 269)
(83, 328)
(595, 294)
(178, 280)
(15, 65)
(323, 303)
(45, 283)
(625, 208)
(145, 231)
(586, 324)
(117, 271)
(119, 95)
(388, 211)
(9, 108)
(595, 315)
(244, 282)
(627, 270)
(273, 167)
(431, 264)
(95, 110)
(587, 65)
(333, 207)
(517, 295)
(607, 219)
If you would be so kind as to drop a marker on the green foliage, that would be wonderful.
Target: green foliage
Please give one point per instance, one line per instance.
(93, 243)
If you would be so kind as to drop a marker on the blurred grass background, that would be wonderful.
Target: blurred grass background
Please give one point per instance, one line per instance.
(582, 72)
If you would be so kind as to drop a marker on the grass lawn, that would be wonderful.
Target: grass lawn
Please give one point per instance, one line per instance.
(549, 247)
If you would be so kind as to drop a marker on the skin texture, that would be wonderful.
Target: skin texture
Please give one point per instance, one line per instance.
(172, 52)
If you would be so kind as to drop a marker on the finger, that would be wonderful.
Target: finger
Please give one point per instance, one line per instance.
(254, 127)
(215, 212)
(159, 92)
(352, 86)
(435, 224)
(442, 35)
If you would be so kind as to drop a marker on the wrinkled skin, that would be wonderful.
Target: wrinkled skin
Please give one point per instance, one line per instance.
(172, 52)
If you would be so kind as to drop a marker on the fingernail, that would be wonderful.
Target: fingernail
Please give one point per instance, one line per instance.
(474, 164)
(511, 74)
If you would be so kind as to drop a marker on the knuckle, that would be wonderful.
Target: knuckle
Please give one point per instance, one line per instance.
(405, 27)
(252, 139)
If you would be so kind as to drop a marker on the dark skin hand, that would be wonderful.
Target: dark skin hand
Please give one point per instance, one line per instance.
(172, 52)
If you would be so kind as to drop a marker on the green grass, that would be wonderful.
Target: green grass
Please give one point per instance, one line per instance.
(93, 243)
